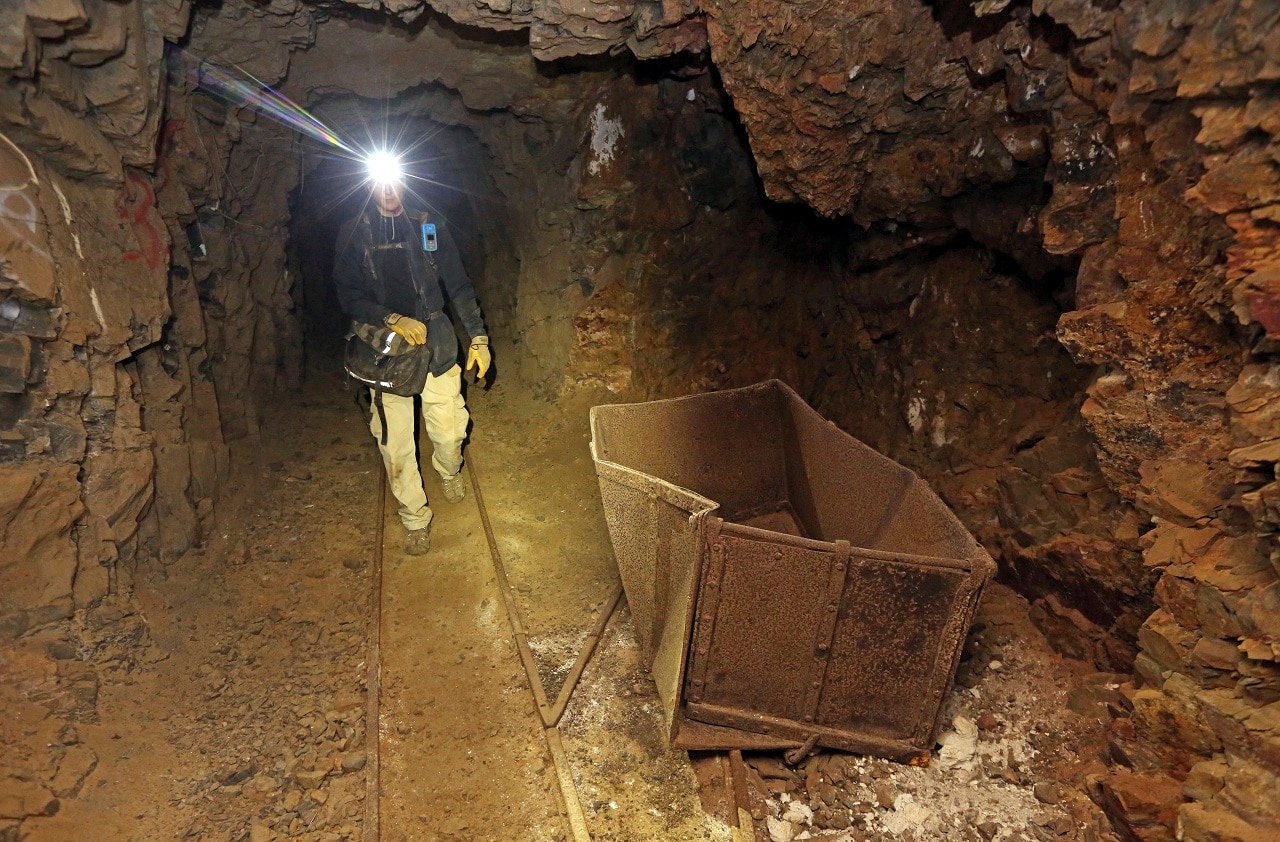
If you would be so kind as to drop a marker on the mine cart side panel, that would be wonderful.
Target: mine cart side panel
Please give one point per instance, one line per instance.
(755, 627)
(680, 568)
(892, 653)
(839, 488)
(654, 530)
(725, 447)
(796, 638)
(633, 532)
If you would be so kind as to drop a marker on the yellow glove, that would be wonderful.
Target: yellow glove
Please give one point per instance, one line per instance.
(479, 356)
(413, 331)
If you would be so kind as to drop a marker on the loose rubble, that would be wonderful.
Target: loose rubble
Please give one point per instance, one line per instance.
(245, 659)
(1011, 765)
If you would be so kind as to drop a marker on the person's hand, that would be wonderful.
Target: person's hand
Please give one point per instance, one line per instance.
(411, 330)
(479, 356)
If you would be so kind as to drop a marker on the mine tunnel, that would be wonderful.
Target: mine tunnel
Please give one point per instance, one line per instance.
(1026, 250)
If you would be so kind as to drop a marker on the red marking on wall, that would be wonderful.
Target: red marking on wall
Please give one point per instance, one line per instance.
(137, 206)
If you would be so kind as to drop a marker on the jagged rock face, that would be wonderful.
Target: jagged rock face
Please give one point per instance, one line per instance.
(76, 475)
(1175, 299)
(99, 57)
(872, 111)
(126, 361)
(648, 29)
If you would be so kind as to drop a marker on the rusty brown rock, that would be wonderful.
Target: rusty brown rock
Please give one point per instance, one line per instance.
(1185, 488)
(39, 503)
(1147, 803)
(1200, 823)
(1257, 299)
(854, 124)
(1254, 400)
(21, 797)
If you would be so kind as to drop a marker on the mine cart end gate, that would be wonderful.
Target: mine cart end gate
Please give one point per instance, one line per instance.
(790, 587)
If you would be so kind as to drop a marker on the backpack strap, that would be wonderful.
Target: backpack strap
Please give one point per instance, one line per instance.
(382, 414)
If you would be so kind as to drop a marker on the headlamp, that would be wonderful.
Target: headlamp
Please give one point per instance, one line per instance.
(384, 168)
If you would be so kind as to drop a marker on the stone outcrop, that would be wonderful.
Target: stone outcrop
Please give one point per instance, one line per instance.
(1181, 424)
(858, 111)
(556, 30)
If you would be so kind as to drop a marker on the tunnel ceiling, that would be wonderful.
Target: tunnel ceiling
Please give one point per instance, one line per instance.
(880, 110)
(839, 116)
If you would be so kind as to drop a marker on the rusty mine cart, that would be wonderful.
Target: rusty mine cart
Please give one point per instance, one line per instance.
(790, 586)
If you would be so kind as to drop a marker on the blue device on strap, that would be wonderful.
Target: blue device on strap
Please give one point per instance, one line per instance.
(429, 236)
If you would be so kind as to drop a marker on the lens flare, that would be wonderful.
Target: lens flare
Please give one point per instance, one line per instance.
(384, 167)
(261, 97)
(385, 155)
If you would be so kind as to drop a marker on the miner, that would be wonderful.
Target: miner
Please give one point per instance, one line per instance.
(394, 268)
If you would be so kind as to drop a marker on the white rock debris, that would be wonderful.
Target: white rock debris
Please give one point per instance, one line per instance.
(960, 745)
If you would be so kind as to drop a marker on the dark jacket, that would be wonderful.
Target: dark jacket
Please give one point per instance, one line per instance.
(435, 274)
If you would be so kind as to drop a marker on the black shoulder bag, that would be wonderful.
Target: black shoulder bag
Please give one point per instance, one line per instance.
(381, 359)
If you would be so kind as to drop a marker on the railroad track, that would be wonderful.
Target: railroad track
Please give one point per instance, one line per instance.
(549, 713)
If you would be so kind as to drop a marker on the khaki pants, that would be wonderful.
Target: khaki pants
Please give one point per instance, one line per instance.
(444, 414)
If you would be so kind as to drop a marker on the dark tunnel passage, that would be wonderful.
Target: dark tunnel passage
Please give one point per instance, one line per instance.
(1027, 250)
(447, 174)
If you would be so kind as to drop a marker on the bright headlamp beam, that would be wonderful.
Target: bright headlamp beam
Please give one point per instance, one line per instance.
(384, 168)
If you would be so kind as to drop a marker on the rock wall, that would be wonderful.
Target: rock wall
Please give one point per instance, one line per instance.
(144, 310)
(1156, 120)
(86, 314)
(127, 360)
(1177, 303)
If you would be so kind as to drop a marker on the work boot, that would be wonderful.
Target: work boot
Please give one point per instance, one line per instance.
(418, 541)
(454, 488)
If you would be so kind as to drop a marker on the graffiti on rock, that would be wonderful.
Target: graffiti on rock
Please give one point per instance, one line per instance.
(138, 207)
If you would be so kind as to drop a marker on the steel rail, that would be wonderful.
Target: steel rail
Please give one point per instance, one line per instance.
(743, 825)
(373, 676)
(549, 714)
(584, 655)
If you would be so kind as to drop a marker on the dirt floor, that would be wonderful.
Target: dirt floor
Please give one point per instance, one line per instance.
(227, 699)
